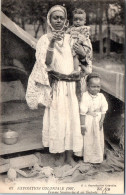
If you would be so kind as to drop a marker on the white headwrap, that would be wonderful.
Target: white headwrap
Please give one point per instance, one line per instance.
(53, 9)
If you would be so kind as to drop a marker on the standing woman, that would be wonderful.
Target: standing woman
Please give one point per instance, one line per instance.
(61, 122)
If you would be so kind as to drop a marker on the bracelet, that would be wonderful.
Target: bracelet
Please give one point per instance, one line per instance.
(50, 49)
(82, 60)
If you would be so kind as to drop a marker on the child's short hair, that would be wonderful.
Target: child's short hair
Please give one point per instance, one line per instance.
(79, 11)
(92, 75)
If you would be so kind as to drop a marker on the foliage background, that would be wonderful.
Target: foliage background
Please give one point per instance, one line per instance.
(34, 12)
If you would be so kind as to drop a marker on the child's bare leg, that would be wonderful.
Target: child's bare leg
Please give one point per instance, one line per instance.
(76, 63)
(69, 159)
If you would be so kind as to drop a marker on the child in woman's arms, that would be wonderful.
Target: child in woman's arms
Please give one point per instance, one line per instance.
(80, 36)
(93, 108)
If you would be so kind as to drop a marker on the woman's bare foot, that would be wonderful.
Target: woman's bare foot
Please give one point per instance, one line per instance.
(69, 160)
(59, 159)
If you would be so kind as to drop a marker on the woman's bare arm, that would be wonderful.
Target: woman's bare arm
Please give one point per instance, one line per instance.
(50, 50)
(49, 54)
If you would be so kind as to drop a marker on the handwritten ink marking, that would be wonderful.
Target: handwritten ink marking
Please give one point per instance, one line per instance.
(11, 188)
(103, 190)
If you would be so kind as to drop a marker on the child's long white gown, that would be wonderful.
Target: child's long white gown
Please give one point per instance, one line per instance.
(94, 137)
(61, 122)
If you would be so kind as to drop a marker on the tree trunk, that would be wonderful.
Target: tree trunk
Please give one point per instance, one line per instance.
(36, 30)
(100, 29)
(96, 24)
(108, 33)
(23, 23)
(44, 26)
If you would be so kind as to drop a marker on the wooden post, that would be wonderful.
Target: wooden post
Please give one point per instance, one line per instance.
(100, 29)
(108, 41)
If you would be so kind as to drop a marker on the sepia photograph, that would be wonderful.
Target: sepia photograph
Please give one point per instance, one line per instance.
(62, 104)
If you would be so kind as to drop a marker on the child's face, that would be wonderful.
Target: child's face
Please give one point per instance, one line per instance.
(78, 20)
(94, 86)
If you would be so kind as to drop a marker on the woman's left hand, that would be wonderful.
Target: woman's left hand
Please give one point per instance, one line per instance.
(79, 49)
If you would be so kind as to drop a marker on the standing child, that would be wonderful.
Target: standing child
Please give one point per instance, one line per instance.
(93, 108)
(80, 37)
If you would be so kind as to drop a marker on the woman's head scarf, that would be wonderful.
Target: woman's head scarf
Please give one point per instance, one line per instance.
(53, 9)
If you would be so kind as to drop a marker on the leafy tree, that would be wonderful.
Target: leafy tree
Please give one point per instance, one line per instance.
(35, 11)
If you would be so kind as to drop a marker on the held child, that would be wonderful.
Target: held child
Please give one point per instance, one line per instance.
(93, 108)
(80, 38)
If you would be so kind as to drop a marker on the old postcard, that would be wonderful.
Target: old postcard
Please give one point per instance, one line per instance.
(62, 96)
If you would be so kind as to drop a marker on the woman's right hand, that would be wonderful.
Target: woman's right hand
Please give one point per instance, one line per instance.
(56, 37)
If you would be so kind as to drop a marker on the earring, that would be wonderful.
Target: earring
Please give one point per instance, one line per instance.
(84, 20)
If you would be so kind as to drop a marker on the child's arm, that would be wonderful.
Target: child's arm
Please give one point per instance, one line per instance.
(104, 108)
(101, 121)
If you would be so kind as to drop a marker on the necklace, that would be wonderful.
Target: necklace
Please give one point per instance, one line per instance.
(60, 43)
(59, 46)
(93, 96)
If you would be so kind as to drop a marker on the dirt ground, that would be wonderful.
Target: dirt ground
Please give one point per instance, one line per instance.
(113, 183)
